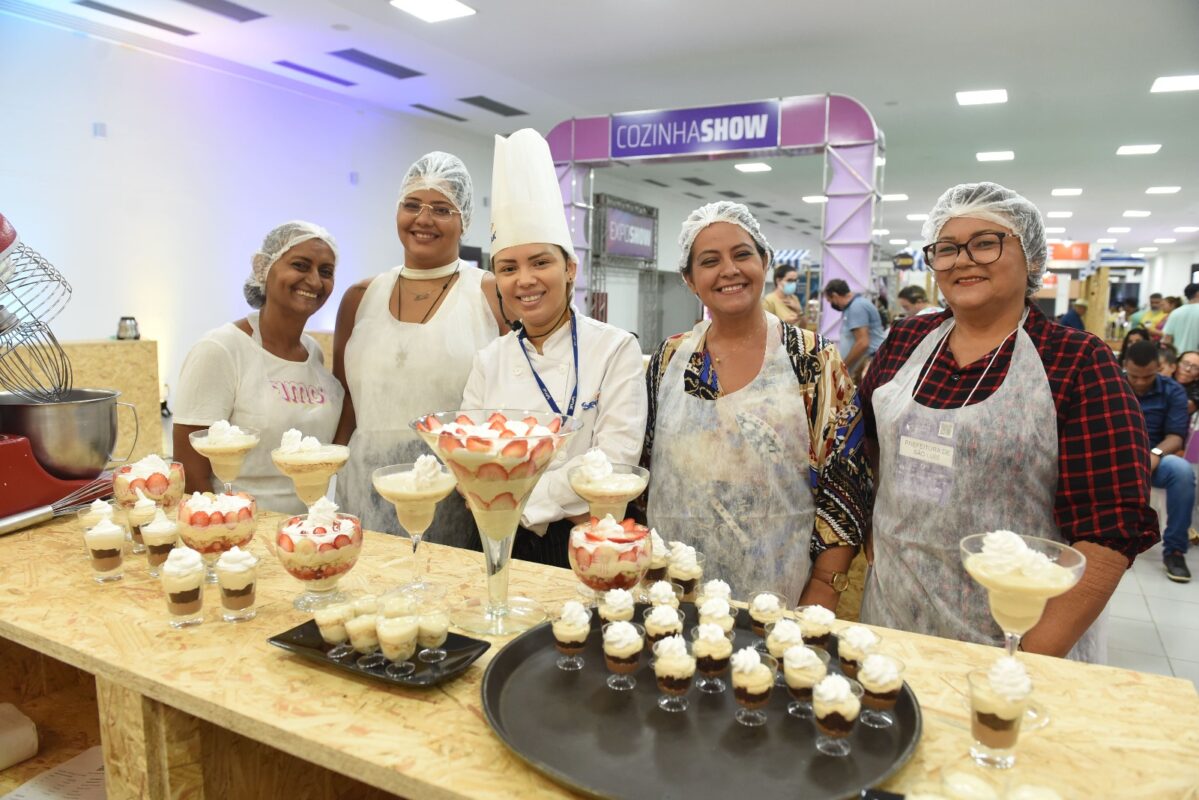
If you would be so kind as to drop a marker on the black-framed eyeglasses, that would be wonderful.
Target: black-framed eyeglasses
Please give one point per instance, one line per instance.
(414, 209)
(983, 248)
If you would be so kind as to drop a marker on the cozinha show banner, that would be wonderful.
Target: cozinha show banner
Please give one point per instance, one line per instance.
(713, 129)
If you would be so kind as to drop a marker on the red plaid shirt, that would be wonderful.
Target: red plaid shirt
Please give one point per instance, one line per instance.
(1103, 451)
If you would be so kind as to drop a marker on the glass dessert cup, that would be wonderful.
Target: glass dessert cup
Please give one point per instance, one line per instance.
(331, 621)
(165, 489)
(750, 713)
(710, 664)
(226, 458)
(317, 560)
(570, 639)
(673, 676)
(213, 533)
(622, 665)
(833, 728)
(105, 543)
(1017, 601)
(433, 623)
(415, 507)
(610, 495)
(877, 701)
(607, 555)
(496, 472)
(398, 643)
(311, 470)
(994, 723)
(800, 706)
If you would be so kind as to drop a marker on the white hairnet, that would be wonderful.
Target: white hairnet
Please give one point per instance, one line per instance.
(445, 173)
(277, 242)
(722, 211)
(998, 204)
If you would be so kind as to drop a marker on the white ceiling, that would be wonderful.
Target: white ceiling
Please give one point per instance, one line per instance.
(1077, 73)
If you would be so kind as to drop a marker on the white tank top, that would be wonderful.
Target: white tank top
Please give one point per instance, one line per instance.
(398, 371)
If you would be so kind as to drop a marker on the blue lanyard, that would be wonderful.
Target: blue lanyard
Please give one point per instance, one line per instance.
(574, 395)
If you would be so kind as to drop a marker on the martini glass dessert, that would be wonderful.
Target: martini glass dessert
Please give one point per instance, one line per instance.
(1021, 574)
(606, 487)
(308, 463)
(415, 490)
(497, 456)
(226, 447)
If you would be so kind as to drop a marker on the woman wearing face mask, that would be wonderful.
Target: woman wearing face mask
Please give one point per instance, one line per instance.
(784, 302)
(262, 371)
(989, 417)
(557, 360)
(405, 341)
(733, 403)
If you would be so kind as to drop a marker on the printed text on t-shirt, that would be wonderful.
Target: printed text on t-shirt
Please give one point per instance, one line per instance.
(306, 394)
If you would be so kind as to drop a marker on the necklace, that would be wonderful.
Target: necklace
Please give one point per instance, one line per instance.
(422, 295)
(736, 351)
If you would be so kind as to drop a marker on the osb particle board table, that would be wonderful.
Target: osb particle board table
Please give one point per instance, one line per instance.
(216, 712)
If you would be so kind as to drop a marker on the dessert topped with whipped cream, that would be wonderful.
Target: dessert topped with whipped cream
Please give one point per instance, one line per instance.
(308, 463)
(764, 608)
(573, 626)
(142, 510)
(712, 647)
(160, 535)
(237, 574)
(160, 480)
(183, 582)
(881, 677)
(853, 645)
(836, 705)
(226, 447)
(816, 623)
(752, 678)
(105, 542)
(98, 510)
(623, 644)
(659, 558)
(662, 621)
(320, 546)
(685, 569)
(998, 700)
(616, 605)
(606, 554)
(782, 636)
(717, 611)
(607, 488)
(1019, 579)
(802, 669)
(213, 523)
(664, 593)
(673, 665)
(416, 492)
(713, 588)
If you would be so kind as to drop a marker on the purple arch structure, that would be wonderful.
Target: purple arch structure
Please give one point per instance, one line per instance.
(834, 125)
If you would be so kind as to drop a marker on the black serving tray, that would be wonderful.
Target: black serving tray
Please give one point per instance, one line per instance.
(461, 651)
(574, 729)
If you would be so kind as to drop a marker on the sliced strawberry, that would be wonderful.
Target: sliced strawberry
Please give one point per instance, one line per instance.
(624, 537)
(342, 541)
(216, 518)
(432, 423)
(135, 484)
(421, 426)
(448, 442)
(285, 543)
(462, 472)
(476, 501)
(497, 426)
(244, 514)
(593, 536)
(530, 421)
(503, 502)
(125, 469)
(555, 424)
(507, 434)
(628, 523)
(462, 419)
(525, 469)
(629, 556)
(199, 519)
(478, 444)
(293, 521)
(517, 449)
(595, 520)
(319, 531)
(497, 417)
(326, 547)
(491, 472)
(582, 558)
(157, 484)
(542, 451)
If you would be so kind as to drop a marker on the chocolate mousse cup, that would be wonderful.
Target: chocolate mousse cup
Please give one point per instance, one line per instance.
(107, 564)
(186, 606)
(238, 604)
(156, 555)
(834, 727)
(995, 733)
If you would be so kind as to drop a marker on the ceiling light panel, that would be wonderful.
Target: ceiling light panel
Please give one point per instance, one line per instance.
(996, 155)
(434, 10)
(1137, 149)
(1176, 83)
(982, 97)
(1163, 190)
(1135, 214)
(752, 167)
(1066, 192)
(1060, 214)
(894, 198)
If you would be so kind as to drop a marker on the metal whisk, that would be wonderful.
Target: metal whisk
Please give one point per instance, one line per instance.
(97, 488)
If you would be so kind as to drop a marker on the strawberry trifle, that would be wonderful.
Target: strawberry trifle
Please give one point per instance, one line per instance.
(211, 523)
(317, 548)
(308, 463)
(160, 480)
(226, 447)
(608, 488)
(606, 554)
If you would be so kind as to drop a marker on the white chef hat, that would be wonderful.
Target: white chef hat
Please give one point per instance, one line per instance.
(526, 201)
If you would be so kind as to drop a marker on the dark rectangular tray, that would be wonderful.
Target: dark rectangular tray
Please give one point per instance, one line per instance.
(572, 728)
(462, 651)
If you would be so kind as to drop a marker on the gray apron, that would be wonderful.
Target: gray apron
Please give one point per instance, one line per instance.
(945, 474)
(730, 476)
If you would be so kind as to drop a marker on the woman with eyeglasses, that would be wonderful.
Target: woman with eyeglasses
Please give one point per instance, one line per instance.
(405, 341)
(994, 417)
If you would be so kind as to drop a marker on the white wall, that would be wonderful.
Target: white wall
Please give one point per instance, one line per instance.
(1169, 273)
(159, 219)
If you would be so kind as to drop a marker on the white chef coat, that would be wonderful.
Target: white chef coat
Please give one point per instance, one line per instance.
(611, 405)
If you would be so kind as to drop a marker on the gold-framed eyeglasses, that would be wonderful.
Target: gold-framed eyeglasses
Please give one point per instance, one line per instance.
(983, 248)
(413, 209)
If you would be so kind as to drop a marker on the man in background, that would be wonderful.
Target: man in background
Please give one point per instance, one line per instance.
(1148, 316)
(914, 302)
(861, 326)
(1073, 317)
(1182, 327)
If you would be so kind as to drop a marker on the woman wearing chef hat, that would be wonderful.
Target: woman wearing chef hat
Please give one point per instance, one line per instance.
(557, 360)
(754, 434)
(405, 341)
(262, 371)
(1008, 421)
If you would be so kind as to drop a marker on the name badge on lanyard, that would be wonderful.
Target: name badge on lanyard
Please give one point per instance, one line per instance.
(924, 463)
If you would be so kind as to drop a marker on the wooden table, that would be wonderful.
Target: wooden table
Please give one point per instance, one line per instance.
(216, 712)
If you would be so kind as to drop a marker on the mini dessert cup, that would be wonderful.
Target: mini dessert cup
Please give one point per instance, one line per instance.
(139, 514)
(674, 668)
(803, 668)
(318, 555)
(160, 536)
(183, 583)
(659, 560)
(237, 577)
(717, 611)
(753, 679)
(836, 701)
(711, 589)
(623, 645)
(686, 569)
(398, 638)
(571, 628)
(609, 494)
(105, 543)
(162, 482)
(616, 605)
(365, 639)
(663, 593)
(210, 524)
(816, 625)
(712, 647)
(882, 679)
(606, 554)
(226, 447)
(854, 643)
(764, 608)
(780, 637)
(331, 621)
(994, 722)
(661, 622)
(434, 626)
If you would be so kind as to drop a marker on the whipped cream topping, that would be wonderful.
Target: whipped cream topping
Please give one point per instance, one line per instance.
(221, 432)
(223, 503)
(714, 608)
(878, 670)
(296, 442)
(800, 657)
(160, 524)
(104, 529)
(621, 636)
(746, 660)
(322, 513)
(143, 504)
(817, 616)
(717, 588)
(181, 562)
(662, 617)
(1005, 552)
(236, 560)
(672, 647)
(858, 638)
(150, 465)
(519, 428)
(785, 633)
(709, 633)
(618, 600)
(661, 593)
(595, 465)
(102, 508)
(1009, 679)
(574, 614)
(426, 472)
(765, 604)
(607, 528)
(683, 557)
(833, 689)
(660, 552)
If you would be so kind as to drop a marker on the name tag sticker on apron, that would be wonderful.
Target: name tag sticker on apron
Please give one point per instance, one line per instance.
(925, 457)
(937, 454)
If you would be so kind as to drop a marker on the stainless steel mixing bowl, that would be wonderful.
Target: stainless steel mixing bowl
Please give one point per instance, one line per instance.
(72, 438)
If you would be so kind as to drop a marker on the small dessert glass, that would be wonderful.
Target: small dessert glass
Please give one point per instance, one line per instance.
(238, 590)
(621, 679)
(689, 586)
(801, 706)
(331, 621)
(434, 621)
(185, 599)
(994, 736)
(758, 626)
(751, 714)
(820, 641)
(849, 666)
(710, 669)
(834, 740)
(398, 642)
(653, 638)
(673, 688)
(365, 639)
(876, 706)
(108, 563)
(566, 643)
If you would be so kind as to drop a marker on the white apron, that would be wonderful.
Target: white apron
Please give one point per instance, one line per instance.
(730, 476)
(398, 371)
(988, 466)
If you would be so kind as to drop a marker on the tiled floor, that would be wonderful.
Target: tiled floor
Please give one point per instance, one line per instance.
(1154, 622)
